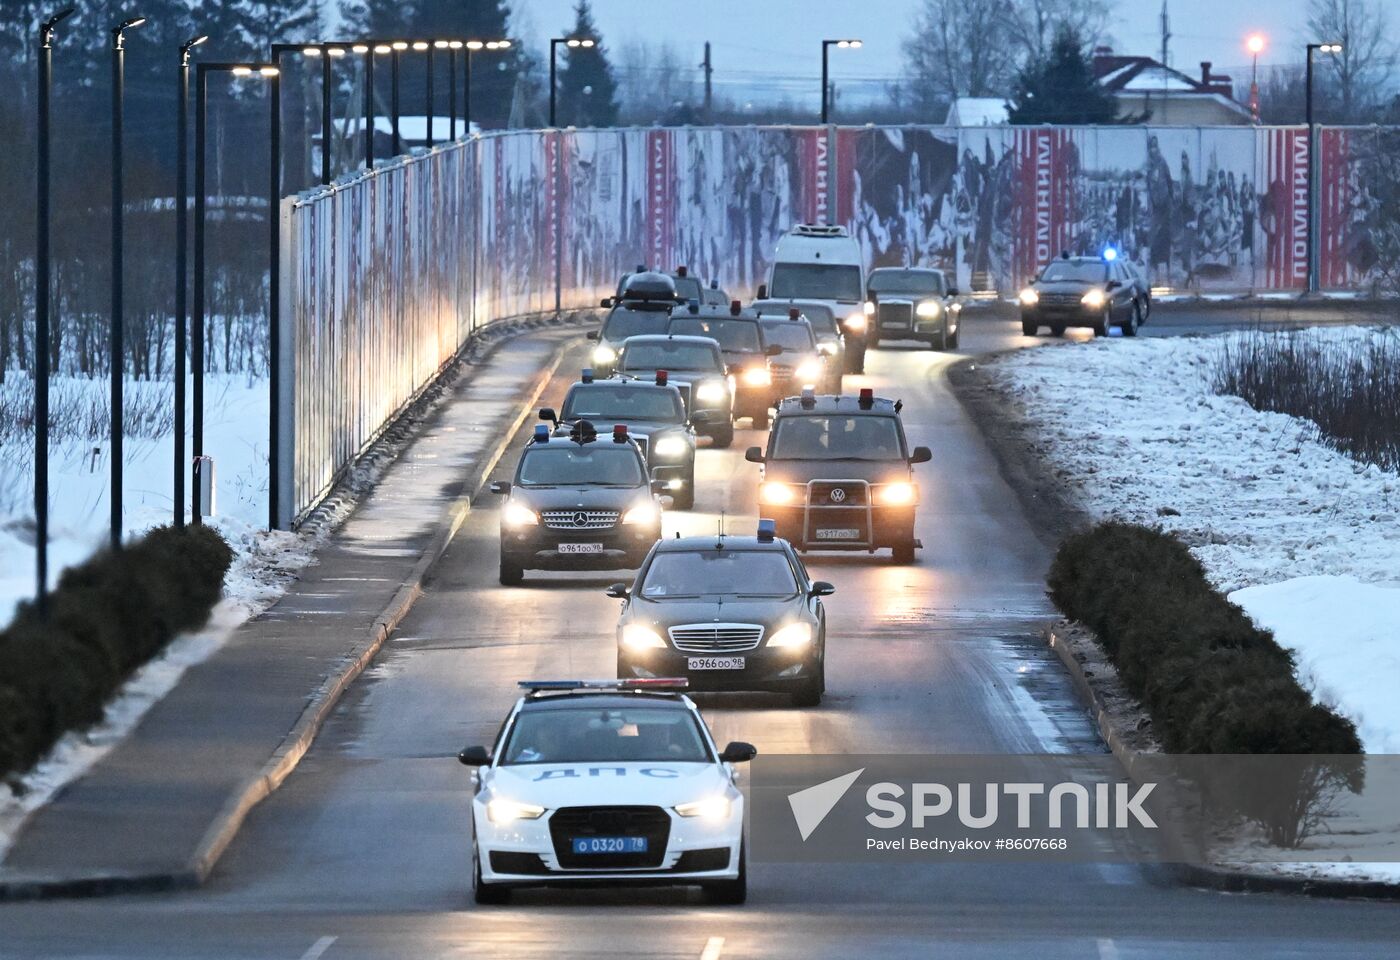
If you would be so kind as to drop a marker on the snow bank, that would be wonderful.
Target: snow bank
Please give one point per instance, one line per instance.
(1347, 637)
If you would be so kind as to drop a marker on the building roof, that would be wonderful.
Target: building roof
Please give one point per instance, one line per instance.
(1132, 77)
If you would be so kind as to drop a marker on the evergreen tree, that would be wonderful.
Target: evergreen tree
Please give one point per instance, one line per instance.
(1061, 88)
(587, 90)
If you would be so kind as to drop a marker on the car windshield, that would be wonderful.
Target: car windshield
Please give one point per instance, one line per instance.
(671, 356)
(735, 336)
(816, 281)
(1083, 271)
(923, 283)
(562, 463)
(637, 320)
(584, 734)
(792, 336)
(610, 403)
(688, 288)
(821, 318)
(815, 437)
(749, 573)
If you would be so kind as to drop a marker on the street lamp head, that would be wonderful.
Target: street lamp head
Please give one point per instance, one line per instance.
(420, 44)
(1255, 44)
(382, 48)
(573, 42)
(455, 44)
(399, 44)
(475, 44)
(241, 71)
(335, 51)
(1331, 48)
(440, 44)
(502, 44)
(360, 48)
(587, 43)
(310, 51)
(119, 31)
(47, 27)
(268, 71)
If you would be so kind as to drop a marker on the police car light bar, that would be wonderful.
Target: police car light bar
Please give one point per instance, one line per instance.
(639, 683)
(767, 530)
(867, 397)
(714, 284)
(1110, 254)
(541, 433)
(809, 396)
(661, 376)
(681, 271)
(734, 307)
(619, 433)
(693, 304)
(794, 313)
(587, 375)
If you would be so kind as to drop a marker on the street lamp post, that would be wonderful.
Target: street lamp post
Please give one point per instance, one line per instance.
(201, 85)
(1313, 269)
(182, 208)
(1255, 45)
(41, 316)
(573, 43)
(117, 337)
(452, 46)
(475, 46)
(396, 48)
(826, 46)
(424, 46)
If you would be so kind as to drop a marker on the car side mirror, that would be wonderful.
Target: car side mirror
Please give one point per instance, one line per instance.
(548, 414)
(737, 751)
(500, 486)
(822, 589)
(773, 350)
(659, 487)
(605, 303)
(952, 291)
(618, 591)
(754, 454)
(1114, 284)
(477, 756)
(591, 335)
(762, 291)
(921, 455)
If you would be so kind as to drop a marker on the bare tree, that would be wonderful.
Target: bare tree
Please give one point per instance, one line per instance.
(653, 78)
(1034, 22)
(1366, 64)
(961, 48)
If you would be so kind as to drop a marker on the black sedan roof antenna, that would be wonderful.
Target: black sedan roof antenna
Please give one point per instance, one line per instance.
(719, 545)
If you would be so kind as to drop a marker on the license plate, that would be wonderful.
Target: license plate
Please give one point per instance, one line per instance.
(580, 548)
(837, 533)
(586, 845)
(715, 663)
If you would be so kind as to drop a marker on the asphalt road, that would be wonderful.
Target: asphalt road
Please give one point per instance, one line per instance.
(363, 853)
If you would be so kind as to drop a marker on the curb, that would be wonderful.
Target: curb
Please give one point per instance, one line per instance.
(1204, 875)
(297, 742)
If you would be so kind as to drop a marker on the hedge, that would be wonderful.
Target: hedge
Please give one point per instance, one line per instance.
(107, 617)
(1212, 681)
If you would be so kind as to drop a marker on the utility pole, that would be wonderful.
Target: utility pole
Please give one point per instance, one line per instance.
(1166, 38)
(709, 69)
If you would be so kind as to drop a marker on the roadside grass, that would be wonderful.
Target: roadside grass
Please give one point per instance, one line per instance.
(1349, 387)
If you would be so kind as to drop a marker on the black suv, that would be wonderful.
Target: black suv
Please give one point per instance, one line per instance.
(739, 334)
(644, 307)
(577, 503)
(655, 418)
(837, 475)
(1081, 292)
(695, 366)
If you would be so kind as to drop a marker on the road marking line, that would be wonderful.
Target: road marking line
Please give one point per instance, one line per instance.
(318, 948)
(713, 948)
(1108, 950)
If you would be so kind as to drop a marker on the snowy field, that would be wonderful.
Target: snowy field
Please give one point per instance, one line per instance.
(1304, 538)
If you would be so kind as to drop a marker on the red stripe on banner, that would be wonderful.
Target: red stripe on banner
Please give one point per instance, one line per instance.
(1335, 189)
(661, 197)
(1045, 194)
(1287, 227)
(844, 183)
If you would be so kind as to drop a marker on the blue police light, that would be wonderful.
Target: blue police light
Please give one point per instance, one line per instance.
(587, 375)
(541, 433)
(809, 397)
(1110, 254)
(694, 304)
(767, 530)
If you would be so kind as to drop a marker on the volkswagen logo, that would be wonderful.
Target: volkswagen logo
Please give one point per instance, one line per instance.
(838, 495)
(580, 519)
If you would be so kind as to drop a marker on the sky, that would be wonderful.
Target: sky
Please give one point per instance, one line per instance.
(777, 42)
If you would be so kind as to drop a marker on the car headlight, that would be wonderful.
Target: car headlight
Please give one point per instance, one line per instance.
(778, 493)
(929, 309)
(503, 811)
(516, 515)
(896, 493)
(792, 636)
(712, 392)
(757, 377)
(711, 808)
(637, 637)
(1029, 297)
(856, 322)
(827, 347)
(604, 354)
(868, 308)
(1093, 299)
(809, 370)
(647, 512)
(669, 448)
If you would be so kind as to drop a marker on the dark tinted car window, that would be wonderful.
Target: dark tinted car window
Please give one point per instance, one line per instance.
(919, 282)
(1084, 272)
(756, 573)
(793, 336)
(817, 437)
(607, 404)
(816, 281)
(736, 336)
(560, 462)
(637, 321)
(688, 288)
(605, 735)
(671, 356)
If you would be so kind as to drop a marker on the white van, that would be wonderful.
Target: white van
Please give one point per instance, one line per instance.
(824, 263)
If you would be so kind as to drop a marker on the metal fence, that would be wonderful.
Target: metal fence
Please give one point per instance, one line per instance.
(387, 275)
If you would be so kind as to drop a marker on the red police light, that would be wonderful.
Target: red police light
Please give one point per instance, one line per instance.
(620, 433)
(661, 377)
(734, 307)
(867, 397)
(794, 313)
(681, 271)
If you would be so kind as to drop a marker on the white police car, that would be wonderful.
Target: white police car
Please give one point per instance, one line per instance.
(614, 781)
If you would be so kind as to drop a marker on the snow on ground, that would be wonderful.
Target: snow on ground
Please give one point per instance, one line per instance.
(1305, 538)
